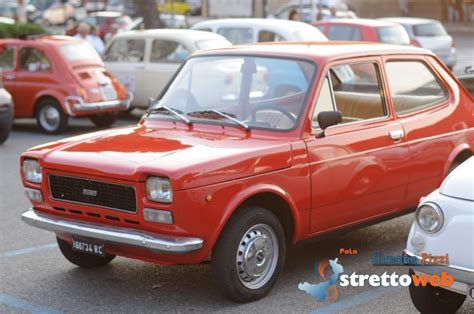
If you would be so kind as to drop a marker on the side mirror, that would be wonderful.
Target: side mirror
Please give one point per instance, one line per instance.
(327, 119)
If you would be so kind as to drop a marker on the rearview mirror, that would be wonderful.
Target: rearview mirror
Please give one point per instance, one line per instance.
(327, 119)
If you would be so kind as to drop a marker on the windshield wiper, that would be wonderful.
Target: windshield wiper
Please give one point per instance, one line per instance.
(174, 112)
(225, 115)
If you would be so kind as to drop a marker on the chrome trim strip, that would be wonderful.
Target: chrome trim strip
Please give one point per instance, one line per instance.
(123, 236)
(89, 204)
(449, 266)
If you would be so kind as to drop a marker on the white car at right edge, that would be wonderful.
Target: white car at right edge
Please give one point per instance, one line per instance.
(444, 226)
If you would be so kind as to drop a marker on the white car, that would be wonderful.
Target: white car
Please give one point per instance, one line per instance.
(444, 226)
(144, 61)
(429, 34)
(308, 12)
(250, 30)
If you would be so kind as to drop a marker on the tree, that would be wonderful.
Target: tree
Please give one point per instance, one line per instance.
(148, 11)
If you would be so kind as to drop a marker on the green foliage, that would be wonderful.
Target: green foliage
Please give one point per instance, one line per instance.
(20, 29)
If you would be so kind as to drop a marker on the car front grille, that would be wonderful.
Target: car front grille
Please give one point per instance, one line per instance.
(91, 192)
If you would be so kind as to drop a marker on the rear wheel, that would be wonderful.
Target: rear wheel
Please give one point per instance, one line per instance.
(51, 117)
(249, 255)
(81, 259)
(104, 120)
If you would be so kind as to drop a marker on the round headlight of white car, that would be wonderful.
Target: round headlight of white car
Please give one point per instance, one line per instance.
(159, 190)
(430, 217)
(32, 171)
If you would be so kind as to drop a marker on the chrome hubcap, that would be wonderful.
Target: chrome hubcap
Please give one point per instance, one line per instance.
(49, 118)
(257, 256)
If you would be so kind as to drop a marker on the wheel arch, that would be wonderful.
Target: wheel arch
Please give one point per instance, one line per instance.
(458, 155)
(45, 96)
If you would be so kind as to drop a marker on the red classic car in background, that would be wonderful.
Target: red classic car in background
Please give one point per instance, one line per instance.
(253, 148)
(54, 77)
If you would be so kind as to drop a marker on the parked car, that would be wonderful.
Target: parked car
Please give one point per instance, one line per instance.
(232, 167)
(250, 30)
(467, 79)
(59, 13)
(6, 114)
(177, 7)
(444, 226)
(104, 21)
(144, 61)
(363, 30)
(56, 77)
(429, 34)
(308, 14)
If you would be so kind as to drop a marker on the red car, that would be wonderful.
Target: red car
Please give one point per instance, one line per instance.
(364, 30)
(56, 77)
(235, 161)
(104, 21)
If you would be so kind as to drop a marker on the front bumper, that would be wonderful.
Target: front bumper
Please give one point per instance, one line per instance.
(122, 236)
(76, 105)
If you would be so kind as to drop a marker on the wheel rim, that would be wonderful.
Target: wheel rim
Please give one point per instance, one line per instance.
(49, 117)
(257, 256)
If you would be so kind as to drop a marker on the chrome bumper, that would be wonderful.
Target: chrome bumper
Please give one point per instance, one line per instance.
(75, 104)
(123, 236)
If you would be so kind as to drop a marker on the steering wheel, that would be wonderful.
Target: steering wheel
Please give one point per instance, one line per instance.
(272, 107)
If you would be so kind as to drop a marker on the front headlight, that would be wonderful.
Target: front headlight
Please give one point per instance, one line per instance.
(32, 171)
(430, 217)
(159, 190)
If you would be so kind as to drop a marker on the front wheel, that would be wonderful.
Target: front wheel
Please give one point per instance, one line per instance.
(82, 259)
(249, 255)
(431, 299)
(104, 120)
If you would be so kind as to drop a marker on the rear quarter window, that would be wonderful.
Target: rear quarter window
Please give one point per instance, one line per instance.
(429, 30)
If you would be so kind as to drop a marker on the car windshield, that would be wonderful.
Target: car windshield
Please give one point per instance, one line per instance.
(254, 92)
(79, 51)
(429, 30)
(393, 35)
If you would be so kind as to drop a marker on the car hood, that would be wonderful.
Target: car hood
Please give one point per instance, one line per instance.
(460, 183)
(190, 159)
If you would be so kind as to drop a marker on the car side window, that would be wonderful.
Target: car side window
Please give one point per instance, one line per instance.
(237, 35)
(126, 50)
(344, 32)
(167, 51)
(269, 36)
(33, 60)
(325, 101)
(414, 87)
(7, 58)
(357, 91)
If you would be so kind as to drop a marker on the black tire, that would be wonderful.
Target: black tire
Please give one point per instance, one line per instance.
(81, 259)
(60, 118)
(431, 299)
(227, 251)
(104, 120)
(4, 133)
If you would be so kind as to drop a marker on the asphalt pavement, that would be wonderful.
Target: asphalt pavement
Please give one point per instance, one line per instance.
(34, 276)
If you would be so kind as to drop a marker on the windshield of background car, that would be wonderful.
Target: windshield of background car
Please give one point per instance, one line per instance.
(79, 51)
(262, 92)
(429, 30)
(396, 35)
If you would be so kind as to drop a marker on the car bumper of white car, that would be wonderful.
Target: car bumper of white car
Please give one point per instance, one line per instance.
(448, 58)
(463, 277)
(75, 105)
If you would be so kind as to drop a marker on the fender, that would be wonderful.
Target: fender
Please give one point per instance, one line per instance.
(57, 94)
(455, 153)
(245, 194)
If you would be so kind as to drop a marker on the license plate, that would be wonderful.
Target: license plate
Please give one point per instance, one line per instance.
(108, 92)
(88, 246)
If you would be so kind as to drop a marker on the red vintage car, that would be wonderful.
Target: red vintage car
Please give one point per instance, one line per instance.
(251, 149)
(56, 77)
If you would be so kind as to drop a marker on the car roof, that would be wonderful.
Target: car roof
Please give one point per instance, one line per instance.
(274, 23)
(331, 50)
(362, 22)
(48, 39)
(408, 20)
(169, 32)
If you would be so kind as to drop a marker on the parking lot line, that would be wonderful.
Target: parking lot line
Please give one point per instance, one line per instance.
(28, 250)
(21, 304)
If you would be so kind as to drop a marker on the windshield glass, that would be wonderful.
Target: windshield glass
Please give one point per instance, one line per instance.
(396, 35)
(429, 30)
(79, 51)
(261, 92)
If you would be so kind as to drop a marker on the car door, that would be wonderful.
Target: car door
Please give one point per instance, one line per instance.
(166, 56)
(421, 102)
(34, 75)
(125, 57)
(8, 57)
(358, 168)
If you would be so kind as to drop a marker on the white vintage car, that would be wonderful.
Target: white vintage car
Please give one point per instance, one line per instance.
(144, 61)
(444, 227)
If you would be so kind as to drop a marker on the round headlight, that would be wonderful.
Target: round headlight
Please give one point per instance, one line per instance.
(430, 217)
(32, 171)
(159, 190)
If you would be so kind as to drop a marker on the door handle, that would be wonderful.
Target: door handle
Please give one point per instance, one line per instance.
(10, 77)
(397, 135)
